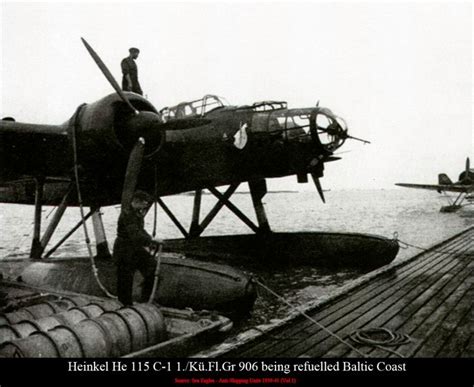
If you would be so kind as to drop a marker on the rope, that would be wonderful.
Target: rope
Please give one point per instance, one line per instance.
(321, 326)
(155, 204)
(381, 338)
(406, 245)
(81, 208)
(157, 254)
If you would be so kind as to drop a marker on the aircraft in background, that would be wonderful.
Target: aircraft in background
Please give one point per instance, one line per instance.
(464, 187)
(119, 143)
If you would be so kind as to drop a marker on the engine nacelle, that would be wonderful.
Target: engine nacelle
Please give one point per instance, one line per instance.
(108, 128)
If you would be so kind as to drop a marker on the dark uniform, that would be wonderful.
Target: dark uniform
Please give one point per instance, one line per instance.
(130, 255)
(130, 67)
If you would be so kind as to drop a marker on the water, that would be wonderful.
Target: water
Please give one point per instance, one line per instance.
(413, 214)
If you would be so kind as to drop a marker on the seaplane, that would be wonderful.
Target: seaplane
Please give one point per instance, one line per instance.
(464, 187)
(120, 143)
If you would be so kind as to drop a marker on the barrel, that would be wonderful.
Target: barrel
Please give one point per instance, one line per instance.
(42, 309)
(69, 318)
(113, 333)
(119, 332)
(8, 332)
(135, 324)
(84, 340)
(154, 321)
(36, 345)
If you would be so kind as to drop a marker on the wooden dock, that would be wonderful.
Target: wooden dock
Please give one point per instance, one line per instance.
(427, 299)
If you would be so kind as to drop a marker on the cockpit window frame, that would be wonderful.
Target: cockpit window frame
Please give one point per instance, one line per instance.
(198, 107)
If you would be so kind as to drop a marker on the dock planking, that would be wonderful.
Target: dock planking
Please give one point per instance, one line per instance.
(428, 298)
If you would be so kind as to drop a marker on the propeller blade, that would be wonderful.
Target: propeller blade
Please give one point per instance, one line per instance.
(317, 183)
(108, 75)
(132, 172)
(467, 166)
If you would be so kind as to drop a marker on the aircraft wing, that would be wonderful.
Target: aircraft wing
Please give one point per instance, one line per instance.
(22, 191)
(31, 149)
(439, 187)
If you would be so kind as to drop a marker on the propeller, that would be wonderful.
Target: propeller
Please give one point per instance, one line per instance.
(467, 166)
(317, 183)
(316, 167)
(132, 172)
(142, 128)
(142, 122)
(177, 124)
(324, 153)
(108, 75)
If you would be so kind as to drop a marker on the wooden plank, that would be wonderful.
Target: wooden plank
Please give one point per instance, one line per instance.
(370, 309)
(307, 325)
(410, 316)
(356, 300)
(381, 316)
(432, 303)
(452, 334)
(438, 315)
(427, 263)
(421, 325)
(468, 351)
(367, 311)
(405, 314)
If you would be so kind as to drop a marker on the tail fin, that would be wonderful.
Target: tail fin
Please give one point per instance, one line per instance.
(443, 179)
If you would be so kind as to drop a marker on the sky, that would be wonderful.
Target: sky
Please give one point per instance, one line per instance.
(400, 74)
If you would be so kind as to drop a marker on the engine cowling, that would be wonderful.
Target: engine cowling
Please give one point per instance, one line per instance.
(108, 128)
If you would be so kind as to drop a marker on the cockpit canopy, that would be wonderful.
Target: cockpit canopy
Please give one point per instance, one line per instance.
(198, 107)
(303, 125)
(297, 124)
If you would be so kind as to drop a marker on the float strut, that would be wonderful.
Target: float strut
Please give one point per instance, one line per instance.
(65, 238)
(53, 224)
(214, 211)
(234, 209)
(36, 249)
(258, 189)
(194, 228)
(172, 217)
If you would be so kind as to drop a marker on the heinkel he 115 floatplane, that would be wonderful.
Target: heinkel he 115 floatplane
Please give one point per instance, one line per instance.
(119, 143)
(464, 187)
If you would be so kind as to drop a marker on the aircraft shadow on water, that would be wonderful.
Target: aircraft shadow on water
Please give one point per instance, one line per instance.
(464, 187)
